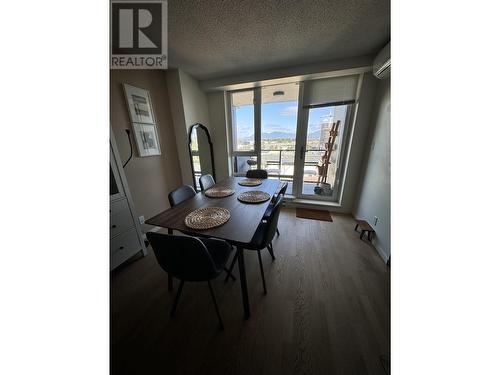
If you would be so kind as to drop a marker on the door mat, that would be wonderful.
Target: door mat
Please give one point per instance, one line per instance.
(306, 213)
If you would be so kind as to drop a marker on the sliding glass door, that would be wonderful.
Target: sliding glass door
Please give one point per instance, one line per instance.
(283, 129)
(321, 149)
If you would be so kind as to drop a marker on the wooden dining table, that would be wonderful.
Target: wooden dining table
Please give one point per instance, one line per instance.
(238, 230)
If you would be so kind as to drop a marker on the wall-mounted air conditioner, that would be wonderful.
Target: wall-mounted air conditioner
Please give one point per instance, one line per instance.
(382, 63)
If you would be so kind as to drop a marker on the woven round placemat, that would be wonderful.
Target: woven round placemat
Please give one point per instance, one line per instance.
(219, 192)
(250, 182)
(254, 196)
(207, 217)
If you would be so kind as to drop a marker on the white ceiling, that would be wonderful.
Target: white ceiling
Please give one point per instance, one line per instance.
(219, 38)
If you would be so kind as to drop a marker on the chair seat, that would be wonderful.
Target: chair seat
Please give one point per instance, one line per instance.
(219, 251)
(258, 239)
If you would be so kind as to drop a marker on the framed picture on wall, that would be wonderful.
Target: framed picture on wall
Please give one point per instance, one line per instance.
(139, 105)
(146, 138)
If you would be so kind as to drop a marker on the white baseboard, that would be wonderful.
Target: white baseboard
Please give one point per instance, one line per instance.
(315, 205)
(381, 252)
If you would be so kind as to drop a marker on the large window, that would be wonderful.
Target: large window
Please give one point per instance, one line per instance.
(297, 132)
(264, 126)
(279, 111)
(242, 106)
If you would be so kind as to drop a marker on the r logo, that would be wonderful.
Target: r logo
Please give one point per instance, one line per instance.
(136, 28)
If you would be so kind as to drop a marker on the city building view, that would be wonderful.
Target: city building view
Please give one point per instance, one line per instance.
(278, 138)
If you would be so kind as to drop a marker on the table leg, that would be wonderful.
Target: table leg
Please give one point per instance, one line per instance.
(243, 282)
(170, 278)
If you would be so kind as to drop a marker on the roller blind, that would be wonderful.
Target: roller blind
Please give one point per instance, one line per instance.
(330, 90)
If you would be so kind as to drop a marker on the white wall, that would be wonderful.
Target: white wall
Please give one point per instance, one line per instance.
(335, 68)
(375, 189)
(360, 132)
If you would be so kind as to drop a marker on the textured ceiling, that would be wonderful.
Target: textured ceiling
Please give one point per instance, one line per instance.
(290, 93)
(218, 38)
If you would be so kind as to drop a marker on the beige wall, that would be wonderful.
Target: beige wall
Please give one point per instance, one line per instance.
(191, 105)
(179, 124)
(195, 101)
(149, 178)
(218, 131)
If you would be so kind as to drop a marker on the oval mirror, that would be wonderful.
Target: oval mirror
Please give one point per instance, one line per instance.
(201, 153)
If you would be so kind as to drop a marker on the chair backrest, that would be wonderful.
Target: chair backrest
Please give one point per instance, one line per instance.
(281, 192)
(181, 194)
(206, 181)
(256, 173)
(272, 220)
(283, 188)
(183, 257)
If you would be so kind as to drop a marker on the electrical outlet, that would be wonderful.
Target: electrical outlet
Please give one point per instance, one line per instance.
(375, 220)
(141, 220)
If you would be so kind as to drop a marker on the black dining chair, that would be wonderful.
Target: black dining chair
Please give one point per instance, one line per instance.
(263, 238)
(257, 173)
(206, 181)
(281, 193)
(180, 195)
(190, 259)
(176, 197)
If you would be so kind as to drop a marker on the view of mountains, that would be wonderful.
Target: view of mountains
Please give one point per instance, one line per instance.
(285, 135)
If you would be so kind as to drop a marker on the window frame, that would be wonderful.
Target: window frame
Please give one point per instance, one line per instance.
(302, 123)
(256, 152)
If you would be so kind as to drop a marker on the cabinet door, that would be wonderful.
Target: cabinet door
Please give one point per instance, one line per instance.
(120, 221)
(124, 246)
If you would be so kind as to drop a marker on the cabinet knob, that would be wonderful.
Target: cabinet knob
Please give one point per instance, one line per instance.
(121, 248)
(113, 226)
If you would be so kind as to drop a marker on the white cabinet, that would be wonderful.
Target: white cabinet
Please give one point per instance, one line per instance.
(124, 229)
(122, 220)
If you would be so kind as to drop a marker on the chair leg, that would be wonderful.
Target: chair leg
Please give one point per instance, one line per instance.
(277, 231)
(233, 262)
(170, 278)
(262, 272)
(177, 296)
(271, 251)
(361, 235)
(170, 283)
(229, 274)
(215, 304)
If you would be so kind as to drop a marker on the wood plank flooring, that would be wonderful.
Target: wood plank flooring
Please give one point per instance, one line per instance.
(327, 311)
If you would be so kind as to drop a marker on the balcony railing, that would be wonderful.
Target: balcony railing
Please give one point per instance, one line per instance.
(281, 163)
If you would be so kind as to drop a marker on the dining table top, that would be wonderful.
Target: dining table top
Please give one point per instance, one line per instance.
(244, 219)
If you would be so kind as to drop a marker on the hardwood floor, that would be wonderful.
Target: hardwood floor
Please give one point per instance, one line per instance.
(327, 311)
